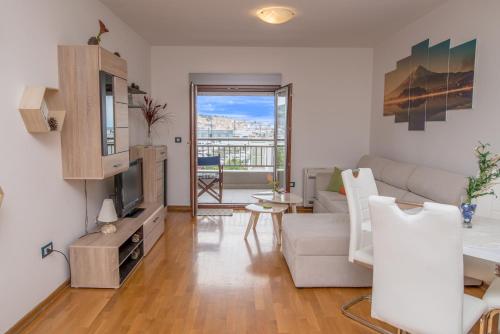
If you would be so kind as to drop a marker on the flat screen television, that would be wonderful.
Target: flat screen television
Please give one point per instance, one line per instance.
(129, 189)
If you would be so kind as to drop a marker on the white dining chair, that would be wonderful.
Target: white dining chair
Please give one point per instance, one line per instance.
(418, 281)
(359, 186)
(492, 298)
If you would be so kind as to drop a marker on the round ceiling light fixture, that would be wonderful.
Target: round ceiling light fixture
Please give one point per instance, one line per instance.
(275, 15)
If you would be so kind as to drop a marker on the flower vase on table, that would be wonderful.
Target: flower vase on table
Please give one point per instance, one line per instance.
(482, 184)
(468, 210)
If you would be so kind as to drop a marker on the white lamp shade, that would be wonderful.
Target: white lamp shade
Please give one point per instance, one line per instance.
(108, 212)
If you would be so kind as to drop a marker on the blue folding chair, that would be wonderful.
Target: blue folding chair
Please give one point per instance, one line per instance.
(209, 179)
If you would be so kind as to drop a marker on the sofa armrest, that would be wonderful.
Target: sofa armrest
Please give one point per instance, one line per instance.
(321, 182)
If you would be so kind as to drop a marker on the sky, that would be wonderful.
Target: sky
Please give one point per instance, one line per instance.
(259, 108)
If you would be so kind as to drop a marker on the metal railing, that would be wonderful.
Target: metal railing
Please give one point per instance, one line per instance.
(238, 152)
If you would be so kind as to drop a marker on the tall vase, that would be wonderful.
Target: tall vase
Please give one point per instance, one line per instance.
(149, 138)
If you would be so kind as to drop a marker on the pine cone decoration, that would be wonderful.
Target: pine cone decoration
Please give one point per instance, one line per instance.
(52, 124)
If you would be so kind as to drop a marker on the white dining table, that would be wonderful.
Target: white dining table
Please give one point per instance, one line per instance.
(482, 241)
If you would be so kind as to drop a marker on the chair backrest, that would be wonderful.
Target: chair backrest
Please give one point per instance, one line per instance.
(358, 188)
(418, 267)
(209, 161)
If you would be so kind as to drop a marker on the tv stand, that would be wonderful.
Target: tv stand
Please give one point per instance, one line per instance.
(107, 260)
(135, 213)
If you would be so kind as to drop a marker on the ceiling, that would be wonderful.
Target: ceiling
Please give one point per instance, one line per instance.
(319, 23)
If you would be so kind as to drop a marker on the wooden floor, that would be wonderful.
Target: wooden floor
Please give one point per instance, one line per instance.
(204, 278)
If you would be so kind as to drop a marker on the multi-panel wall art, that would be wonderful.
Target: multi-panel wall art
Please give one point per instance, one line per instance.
(432, 80)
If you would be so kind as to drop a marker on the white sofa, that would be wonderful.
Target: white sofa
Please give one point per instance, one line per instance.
(406, 182)
(315, 246)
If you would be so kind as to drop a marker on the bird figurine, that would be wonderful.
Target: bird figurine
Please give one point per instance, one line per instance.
(96, 40)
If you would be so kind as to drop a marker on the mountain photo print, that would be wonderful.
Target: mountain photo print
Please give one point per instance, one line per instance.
(429, 82)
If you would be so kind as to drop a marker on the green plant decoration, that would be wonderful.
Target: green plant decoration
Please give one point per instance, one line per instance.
(274, 184)
(489, 171)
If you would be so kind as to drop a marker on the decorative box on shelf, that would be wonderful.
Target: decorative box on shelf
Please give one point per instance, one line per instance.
(42, 109)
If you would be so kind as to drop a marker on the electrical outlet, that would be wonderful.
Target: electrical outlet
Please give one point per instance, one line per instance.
(47, 249)
(178, 139)
(292, 184)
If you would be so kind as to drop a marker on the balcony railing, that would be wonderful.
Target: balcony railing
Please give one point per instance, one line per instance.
(239, 153)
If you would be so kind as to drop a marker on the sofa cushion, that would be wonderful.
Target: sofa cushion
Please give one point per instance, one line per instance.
(437, 185)
(376, 164)
(385, 189)
(326, 196)
(334, 202)
(397, 174)
(414, 198)
(319, 234)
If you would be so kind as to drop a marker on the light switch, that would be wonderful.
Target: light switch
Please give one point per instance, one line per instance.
(178, 139)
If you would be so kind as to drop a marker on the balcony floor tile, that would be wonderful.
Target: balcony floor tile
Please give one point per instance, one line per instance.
(232, 196)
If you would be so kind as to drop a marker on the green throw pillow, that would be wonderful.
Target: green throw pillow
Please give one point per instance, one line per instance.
(336, 181)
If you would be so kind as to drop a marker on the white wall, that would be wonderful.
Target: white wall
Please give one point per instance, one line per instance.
(39, 206)
(447, 144)
(331, 106)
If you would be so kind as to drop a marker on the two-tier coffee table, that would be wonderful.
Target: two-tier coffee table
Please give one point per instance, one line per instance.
(279, 198)
(276, 211)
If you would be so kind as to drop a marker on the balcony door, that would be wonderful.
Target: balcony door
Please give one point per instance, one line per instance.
(253, 148)
(282, 136)
(193, 93)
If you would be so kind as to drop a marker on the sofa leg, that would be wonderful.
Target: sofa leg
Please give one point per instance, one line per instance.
(347, 313)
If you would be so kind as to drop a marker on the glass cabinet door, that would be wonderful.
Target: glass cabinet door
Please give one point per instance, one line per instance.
(107, 114)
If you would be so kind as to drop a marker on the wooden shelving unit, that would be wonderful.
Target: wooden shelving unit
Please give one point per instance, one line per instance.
(107, 260)
(95, 138)
(40, 104)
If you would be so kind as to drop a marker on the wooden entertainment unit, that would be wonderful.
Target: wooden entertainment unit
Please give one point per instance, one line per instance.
(106, 260)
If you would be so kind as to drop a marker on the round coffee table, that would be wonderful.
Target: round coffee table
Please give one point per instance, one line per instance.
(276, 211)
(284, 198)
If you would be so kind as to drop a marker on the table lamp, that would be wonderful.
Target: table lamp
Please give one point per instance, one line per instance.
(107, 216)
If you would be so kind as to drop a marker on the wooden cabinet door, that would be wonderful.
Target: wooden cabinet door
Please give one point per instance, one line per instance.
(121, 115)
(122, 140)
(121, 90)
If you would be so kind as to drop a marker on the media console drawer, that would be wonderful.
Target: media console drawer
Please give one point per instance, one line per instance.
(153, 236)
(115, 163)
(153, 229)
(156, 219)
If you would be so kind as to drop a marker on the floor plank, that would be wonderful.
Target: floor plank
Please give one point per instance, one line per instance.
(204, 278)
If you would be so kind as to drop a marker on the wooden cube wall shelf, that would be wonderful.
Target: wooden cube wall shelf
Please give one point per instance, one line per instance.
(38, 106)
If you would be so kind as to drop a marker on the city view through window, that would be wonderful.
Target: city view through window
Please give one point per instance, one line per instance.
(239, 128)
